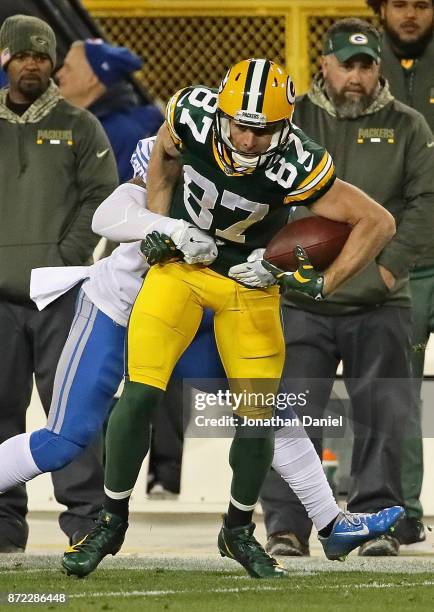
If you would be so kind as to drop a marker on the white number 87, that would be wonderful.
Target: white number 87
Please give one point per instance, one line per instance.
(208, 200)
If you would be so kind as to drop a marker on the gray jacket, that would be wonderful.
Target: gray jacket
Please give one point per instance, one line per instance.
(384, 152)
(56, 167)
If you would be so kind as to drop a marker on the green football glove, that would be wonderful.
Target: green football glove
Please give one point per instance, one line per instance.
(159, 248)
(305, 279)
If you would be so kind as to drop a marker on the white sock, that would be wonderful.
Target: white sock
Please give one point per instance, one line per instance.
(16, 462)
(297, 462)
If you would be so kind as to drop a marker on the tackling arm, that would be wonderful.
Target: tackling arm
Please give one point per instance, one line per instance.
(163, 172)
(135, 210)
(125, 215)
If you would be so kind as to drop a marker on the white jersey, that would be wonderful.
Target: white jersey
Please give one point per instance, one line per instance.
(115, 281)
(111, 283)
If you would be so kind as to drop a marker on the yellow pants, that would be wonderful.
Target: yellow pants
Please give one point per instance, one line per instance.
(167, 313)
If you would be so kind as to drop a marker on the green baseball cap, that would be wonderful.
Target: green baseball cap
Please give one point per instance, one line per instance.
(345, 45)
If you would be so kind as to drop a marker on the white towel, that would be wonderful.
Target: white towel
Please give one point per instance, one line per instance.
(47, 284)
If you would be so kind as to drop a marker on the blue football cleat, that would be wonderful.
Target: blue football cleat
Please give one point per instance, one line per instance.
(350, 530)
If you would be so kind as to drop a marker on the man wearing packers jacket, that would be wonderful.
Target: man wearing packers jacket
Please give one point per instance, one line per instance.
(407, 63)
(56, 166)
(382, 147)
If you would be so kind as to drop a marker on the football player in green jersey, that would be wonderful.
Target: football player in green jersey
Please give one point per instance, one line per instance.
(225, 166)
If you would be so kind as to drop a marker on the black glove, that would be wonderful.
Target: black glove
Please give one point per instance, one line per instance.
(159, 248)
(305, 279)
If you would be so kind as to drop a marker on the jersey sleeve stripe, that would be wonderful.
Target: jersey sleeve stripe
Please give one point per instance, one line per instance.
(317, 178)
(170, 116)
(319, 168)
(322, 181)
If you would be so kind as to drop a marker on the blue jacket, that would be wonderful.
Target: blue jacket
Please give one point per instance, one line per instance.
(125, 122)
(3, 79)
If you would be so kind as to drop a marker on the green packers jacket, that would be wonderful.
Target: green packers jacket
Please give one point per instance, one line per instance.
(413, 85)
(412, 82)
(56, 166)
(386, 153)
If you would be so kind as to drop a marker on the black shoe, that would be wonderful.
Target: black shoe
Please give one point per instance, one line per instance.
(10, 548)
(165, 485)
(384, 546)
(286, 545)
(159, 492)
(13, 535)
(239, 544)
(409, 531)
(105, 538)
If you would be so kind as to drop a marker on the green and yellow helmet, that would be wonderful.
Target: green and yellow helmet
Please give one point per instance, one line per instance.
(257, 93)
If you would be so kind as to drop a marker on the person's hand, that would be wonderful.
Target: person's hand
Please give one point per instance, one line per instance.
(159, 248)
(252, 273)
(305, 279)
(387, 276)
(196, 246)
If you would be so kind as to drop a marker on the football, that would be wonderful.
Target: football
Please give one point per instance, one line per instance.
(321, 238)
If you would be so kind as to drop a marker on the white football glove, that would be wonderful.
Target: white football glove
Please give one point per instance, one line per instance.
(252, 273)
(197, 247)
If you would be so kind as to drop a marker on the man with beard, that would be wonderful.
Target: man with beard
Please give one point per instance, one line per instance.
(56, 166)
(380, 145)
(408, 65)
(408, 51)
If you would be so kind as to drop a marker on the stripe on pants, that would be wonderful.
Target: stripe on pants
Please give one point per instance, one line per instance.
(70, 360)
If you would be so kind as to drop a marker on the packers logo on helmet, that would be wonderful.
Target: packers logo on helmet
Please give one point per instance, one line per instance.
(256, 93)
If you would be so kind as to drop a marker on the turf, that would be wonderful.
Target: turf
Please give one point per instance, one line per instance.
(129, 583)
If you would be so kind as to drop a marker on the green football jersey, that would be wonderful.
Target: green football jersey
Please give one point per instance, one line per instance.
(242, 211)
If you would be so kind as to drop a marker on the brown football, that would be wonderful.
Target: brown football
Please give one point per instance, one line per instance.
(321, 238)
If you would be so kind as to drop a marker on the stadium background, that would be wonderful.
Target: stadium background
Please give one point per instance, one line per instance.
(194, 41)
(203, 37)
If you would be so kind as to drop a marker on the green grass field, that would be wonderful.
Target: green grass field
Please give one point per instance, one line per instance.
(136, 583)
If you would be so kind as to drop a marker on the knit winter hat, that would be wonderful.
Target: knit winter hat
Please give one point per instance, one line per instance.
(21, 33)
(110, 64)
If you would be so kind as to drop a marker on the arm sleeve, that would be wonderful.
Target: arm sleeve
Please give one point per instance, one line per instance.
(123, 217)
(96, 176)
(415, 226)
